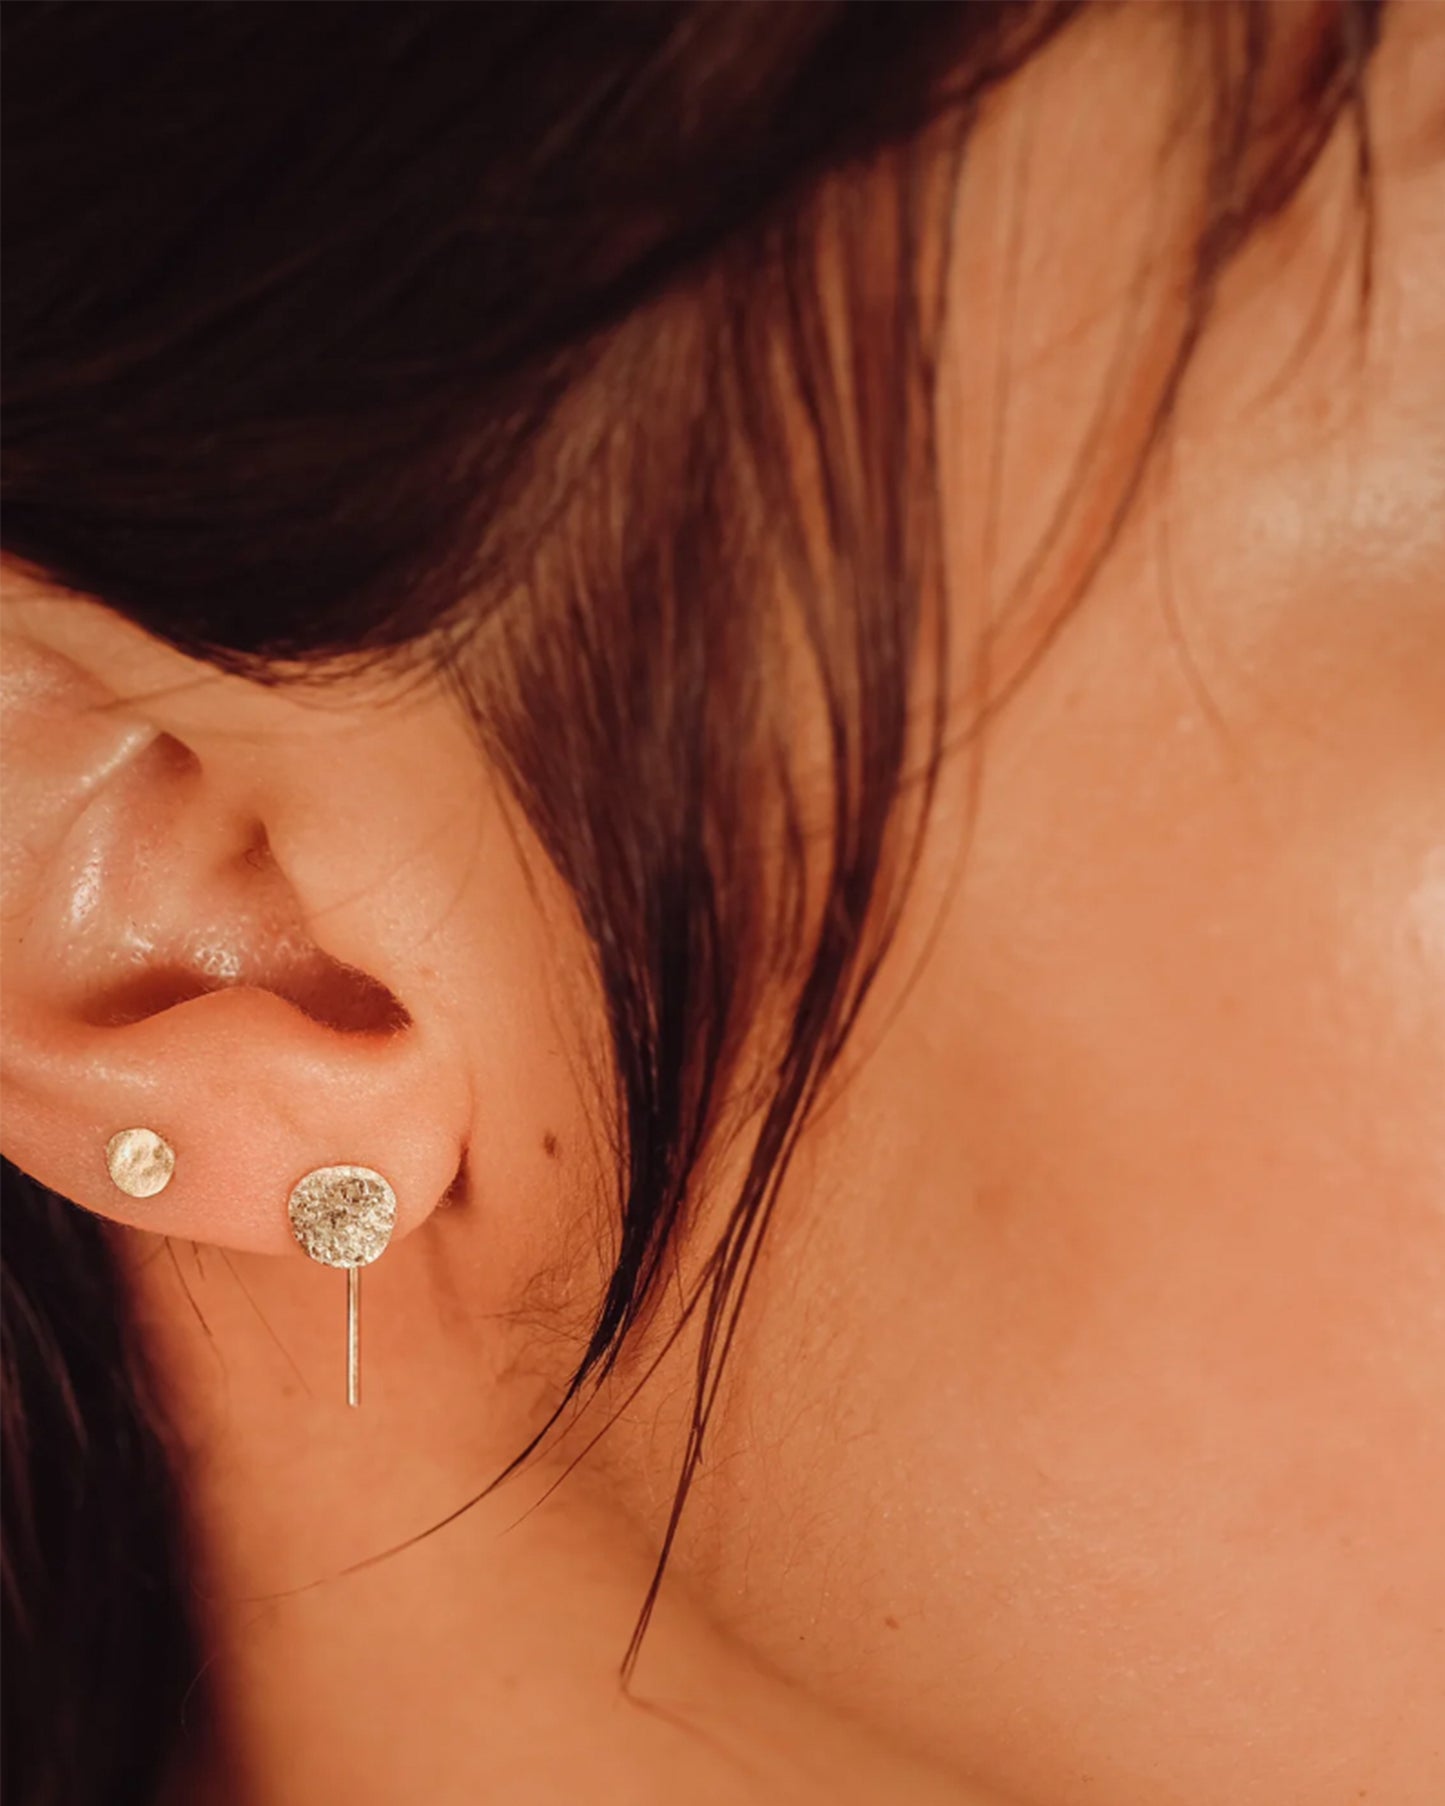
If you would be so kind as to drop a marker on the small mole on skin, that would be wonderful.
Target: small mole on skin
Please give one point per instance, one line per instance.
(549, 1145)
(892, 1623)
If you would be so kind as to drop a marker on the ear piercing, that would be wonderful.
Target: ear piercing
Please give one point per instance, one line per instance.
(343, 1216)
(140, 1162)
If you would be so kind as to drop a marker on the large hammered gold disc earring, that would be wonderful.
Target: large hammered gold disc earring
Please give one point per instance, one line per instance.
(343, 1216)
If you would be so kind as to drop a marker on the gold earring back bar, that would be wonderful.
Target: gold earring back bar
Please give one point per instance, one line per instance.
(353, 1335)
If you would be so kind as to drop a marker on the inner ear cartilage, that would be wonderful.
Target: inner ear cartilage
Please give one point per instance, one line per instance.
(343, 1216)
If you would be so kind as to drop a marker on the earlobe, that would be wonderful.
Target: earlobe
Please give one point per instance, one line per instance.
(247, 1049)
(249, 1094)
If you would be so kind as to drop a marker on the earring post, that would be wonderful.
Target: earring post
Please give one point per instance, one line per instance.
(353, 1335)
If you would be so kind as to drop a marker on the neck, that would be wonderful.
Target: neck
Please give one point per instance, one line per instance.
(352, 1652)
(483, 1663)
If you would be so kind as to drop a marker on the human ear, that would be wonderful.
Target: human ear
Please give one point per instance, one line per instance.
(162, 968)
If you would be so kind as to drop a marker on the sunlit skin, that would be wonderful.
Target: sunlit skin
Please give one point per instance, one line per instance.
(1085, 1441)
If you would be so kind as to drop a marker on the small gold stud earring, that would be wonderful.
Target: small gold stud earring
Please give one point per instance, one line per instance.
(343, 1216)
(140, 1162)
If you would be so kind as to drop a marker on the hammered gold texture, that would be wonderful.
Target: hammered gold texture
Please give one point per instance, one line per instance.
(140, 1162)
(343, 1216)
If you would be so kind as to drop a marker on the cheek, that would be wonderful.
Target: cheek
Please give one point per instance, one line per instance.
(1199, 1129)
(1139, 1208)
(1200, 1126)
(1200, 1049)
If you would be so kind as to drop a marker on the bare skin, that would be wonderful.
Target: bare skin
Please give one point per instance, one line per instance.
(1086, 1441)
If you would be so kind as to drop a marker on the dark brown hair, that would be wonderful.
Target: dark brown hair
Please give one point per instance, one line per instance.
(365, 331)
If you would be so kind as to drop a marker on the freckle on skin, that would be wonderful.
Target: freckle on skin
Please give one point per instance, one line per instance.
(892, 1623)
(549, 1145)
